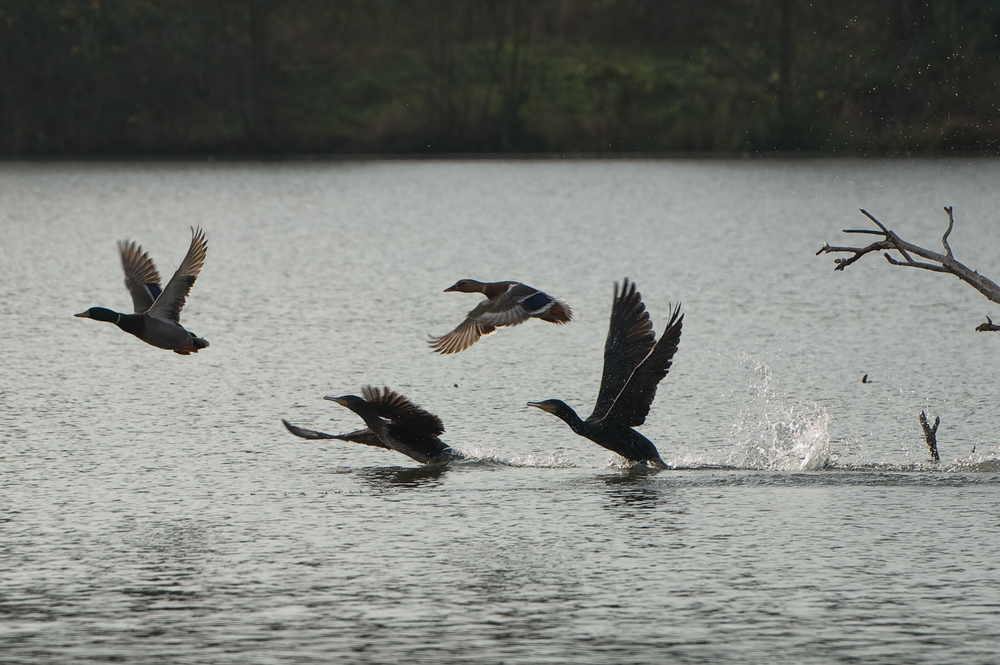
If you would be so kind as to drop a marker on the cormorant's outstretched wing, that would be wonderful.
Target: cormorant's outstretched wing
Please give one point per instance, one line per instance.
(365, 436)
(632, 404)
(169, 303)
(141, 277)
(392, 406)
(630, 339)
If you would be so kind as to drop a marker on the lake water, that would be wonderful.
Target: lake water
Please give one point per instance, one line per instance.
(154, 509)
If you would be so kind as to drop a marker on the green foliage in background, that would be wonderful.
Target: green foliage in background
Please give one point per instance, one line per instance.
(454, 76)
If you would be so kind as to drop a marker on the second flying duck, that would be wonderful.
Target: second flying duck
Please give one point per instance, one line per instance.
(506, 304)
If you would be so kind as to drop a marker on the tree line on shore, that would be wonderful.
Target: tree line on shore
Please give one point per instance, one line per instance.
(100, 77)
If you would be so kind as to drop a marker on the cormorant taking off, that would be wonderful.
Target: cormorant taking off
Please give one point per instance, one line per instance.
(394, 423)
(157, 318)
(634, 363)
(506, 304)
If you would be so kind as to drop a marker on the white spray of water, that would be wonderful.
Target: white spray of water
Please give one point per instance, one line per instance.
(775, 433)
(558, 459)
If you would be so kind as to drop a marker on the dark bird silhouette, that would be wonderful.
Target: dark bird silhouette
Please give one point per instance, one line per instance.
(157, 318)
(634, 363)
(506, 304)
(394, 423)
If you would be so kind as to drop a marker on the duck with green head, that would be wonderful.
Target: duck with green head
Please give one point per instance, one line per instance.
(157, 316)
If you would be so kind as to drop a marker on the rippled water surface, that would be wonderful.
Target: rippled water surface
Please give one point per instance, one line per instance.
(154, 509)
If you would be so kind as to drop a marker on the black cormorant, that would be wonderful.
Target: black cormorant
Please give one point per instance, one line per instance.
(394, 423)
(634, 363)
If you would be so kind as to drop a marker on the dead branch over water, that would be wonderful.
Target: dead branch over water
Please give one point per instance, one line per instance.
(935, 261)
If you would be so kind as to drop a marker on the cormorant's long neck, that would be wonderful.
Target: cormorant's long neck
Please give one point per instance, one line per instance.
(568, 415)
(367, 413)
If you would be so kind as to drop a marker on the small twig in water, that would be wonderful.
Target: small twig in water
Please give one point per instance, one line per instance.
(930, 433)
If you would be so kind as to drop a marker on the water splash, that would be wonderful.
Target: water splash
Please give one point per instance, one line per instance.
(775, 433)
(558, 459)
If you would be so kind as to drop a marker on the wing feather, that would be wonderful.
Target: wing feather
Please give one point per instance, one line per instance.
(141, 277)
(632, 404)
(365, 436)
(465, 335)
(630, 339)
(392, 406)
(169, 304)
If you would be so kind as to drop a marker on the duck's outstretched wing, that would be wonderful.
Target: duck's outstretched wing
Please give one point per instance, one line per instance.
(518, 304)
(630, 339)
(169, 304)
(465, 335)
(632, 404)
(402, 412)
(141, 277)
(365, 436)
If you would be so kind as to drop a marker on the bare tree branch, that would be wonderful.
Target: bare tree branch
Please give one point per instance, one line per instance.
(939, 262)
(989, 326)
(944, 238)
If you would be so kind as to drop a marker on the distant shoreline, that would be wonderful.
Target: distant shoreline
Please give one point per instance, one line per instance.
(522, 156)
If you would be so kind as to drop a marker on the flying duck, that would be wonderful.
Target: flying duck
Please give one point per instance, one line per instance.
(157, 311)
(506, 304)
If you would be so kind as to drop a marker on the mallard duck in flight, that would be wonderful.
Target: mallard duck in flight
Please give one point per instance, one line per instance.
(506, 304)
(157, 311)
(634, 363)
(394, 423)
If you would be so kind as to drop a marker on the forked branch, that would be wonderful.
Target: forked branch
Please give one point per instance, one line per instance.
(935, 262)
(930, 435)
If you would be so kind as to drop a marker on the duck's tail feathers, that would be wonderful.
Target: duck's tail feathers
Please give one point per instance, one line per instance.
(191, 345)
(461, 338)
(559, 313)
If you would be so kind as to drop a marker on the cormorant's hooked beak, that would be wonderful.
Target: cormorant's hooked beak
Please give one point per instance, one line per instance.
(339, 400)
(544, 406)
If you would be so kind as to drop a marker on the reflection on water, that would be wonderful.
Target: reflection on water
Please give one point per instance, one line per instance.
(154, 509)
(390, 478)
(631, 493)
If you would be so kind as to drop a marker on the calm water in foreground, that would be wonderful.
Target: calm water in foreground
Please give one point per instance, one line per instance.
(153, 508)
